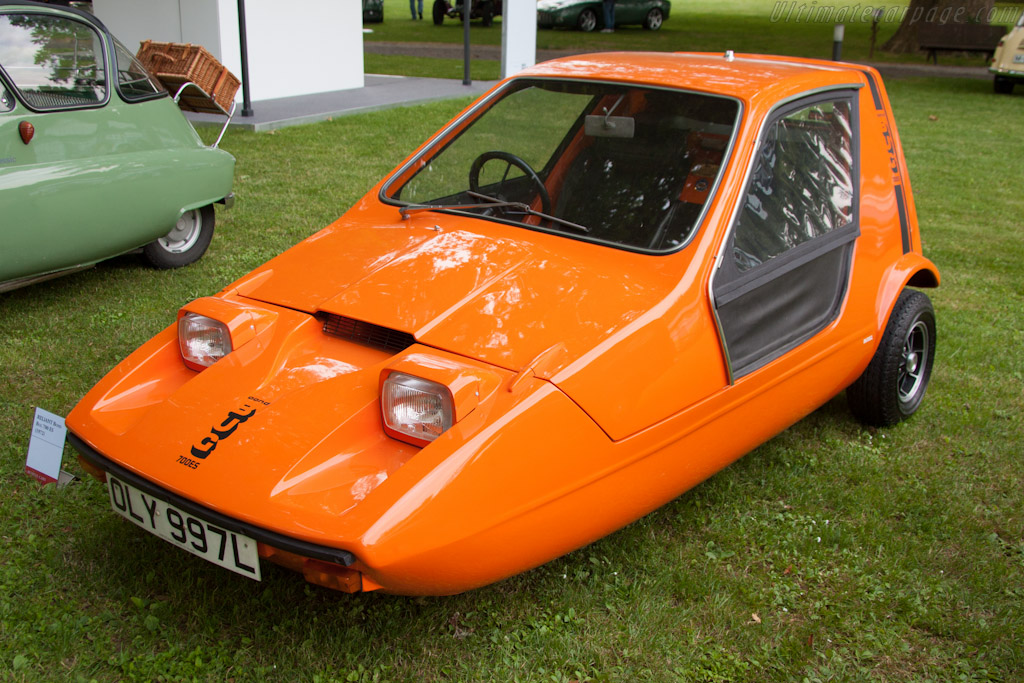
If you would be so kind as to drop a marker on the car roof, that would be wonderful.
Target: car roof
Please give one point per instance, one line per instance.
(747, 77)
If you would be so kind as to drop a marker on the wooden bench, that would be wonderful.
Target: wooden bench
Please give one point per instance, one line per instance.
(959, 37)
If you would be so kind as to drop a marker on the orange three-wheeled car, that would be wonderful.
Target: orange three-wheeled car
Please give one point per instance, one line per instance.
(604, 281)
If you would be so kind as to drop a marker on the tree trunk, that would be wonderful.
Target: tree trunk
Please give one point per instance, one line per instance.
(936, 12)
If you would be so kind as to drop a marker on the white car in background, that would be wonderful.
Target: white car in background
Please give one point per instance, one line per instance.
(1008, 60)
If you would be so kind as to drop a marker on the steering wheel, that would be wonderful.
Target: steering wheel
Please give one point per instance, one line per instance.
(511, 160)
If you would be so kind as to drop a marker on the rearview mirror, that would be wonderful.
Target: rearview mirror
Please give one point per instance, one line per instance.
(600, 126)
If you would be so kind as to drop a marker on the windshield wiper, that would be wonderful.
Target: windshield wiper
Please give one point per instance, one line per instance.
(491, 203)
(525, 208)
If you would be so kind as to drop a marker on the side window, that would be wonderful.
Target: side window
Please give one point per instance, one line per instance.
(54, 62)
(801, 186)
(786, 267)
(133, 81)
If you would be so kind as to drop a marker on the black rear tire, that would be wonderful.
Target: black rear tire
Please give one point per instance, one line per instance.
(1003, 86)
(892, 387)
(486, 13)
(439, 10)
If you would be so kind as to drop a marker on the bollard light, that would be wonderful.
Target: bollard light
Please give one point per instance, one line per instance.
(837, 41)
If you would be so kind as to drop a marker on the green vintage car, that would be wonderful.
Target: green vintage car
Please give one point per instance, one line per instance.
(95, 157)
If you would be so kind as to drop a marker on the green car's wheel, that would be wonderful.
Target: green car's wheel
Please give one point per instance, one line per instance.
(893, 385)
(654, 19)
(587, 21)
(185, 243)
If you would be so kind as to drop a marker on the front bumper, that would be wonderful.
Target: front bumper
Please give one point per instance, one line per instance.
(308, 558)
(556, 18)
(1007, 73)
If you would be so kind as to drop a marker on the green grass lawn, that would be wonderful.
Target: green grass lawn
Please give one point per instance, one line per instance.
(833, 552)
(428, 67)
(762, 26)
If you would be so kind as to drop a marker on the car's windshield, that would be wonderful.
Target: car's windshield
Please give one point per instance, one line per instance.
(624, 165)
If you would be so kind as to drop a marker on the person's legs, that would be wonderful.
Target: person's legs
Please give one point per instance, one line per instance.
(609, 16)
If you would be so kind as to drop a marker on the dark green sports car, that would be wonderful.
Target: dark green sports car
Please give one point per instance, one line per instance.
(587, 15)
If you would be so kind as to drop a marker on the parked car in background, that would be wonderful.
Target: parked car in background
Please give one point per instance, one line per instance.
(373, 11)
(588, 15)
(605, 280)
(95, 157)
(484, 10)
(1007, 65)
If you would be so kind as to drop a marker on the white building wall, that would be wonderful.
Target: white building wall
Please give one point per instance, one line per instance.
(297, 49)
(208, 21)
(301, 48)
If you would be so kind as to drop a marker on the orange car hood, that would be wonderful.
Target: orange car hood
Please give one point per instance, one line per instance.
(473, 289)
(498, 293)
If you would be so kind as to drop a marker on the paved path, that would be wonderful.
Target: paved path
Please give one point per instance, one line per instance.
(493, 52)
(454, 51)
(379, 92)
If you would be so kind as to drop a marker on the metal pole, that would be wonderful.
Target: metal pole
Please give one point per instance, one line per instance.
(246, 101)
(467, 9)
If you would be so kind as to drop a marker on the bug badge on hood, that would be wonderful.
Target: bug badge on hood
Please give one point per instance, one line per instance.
(218, 433)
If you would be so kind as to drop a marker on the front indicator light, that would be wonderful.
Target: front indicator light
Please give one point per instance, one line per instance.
(416, 410)
(203, 341)
(332, 576)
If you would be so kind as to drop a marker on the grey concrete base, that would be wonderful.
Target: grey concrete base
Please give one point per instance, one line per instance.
(379, 92)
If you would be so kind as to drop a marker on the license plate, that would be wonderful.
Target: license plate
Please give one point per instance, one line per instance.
(224, 548)
(1018, 59)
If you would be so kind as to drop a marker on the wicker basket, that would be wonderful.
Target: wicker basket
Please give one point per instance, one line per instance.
(178, 63)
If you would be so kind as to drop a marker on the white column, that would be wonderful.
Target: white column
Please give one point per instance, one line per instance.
(518, 36)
